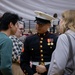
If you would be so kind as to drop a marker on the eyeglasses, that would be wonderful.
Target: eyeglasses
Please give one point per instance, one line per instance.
(21, 28)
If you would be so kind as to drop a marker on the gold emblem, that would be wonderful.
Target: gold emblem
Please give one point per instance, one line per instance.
(42, 63)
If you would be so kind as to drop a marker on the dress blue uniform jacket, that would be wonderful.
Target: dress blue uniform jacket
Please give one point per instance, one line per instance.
(37, 48)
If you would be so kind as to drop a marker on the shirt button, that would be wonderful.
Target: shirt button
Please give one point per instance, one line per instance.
(40, 46)
(40, 41)
(41, 50)
(41, 38)
(41, 55)
(42, 59)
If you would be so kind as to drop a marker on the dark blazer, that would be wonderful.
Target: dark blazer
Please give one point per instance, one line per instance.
(37, 48)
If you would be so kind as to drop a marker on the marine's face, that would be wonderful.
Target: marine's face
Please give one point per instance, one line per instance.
(42, 28)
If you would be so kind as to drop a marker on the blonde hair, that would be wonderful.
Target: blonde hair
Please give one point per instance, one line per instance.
(69, 19)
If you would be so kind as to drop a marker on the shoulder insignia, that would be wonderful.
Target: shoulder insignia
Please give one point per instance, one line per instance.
(22, 50)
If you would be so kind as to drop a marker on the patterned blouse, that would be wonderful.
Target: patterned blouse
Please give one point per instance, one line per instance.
(17, 47)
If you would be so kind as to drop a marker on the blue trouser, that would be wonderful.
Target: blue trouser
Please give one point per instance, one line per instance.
(54, 28)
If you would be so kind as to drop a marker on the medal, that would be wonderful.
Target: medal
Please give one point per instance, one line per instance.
(48, 43)
(51, 43)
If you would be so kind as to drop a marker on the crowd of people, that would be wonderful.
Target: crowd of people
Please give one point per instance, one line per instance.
(47, 52)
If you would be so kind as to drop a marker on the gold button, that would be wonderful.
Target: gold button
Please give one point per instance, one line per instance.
(32, 48)
(41, 55)
(40, 46)
(51, 43)
(41, 50)
(40, 41)
(42, 63)
(42, 59)
(41, 38)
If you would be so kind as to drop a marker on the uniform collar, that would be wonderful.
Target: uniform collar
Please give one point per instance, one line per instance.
(43, 34)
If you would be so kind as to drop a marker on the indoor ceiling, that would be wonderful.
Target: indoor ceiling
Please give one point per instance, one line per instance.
(26, 8)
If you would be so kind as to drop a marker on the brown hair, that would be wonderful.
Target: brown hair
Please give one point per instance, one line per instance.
(69, 19)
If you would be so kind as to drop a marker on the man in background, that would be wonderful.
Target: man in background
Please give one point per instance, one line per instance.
(55, 23)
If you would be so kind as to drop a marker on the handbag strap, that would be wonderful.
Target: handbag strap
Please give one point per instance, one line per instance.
(70, 48)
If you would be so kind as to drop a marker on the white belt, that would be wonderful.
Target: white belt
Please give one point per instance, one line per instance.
(37, 63)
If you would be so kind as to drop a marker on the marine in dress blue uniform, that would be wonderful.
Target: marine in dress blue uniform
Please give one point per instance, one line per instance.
(38, 48)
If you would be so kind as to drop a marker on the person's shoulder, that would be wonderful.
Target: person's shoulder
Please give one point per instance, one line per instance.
(30, 37)
(53, 34)
(63, 37)
(7, 40)
(13, 38)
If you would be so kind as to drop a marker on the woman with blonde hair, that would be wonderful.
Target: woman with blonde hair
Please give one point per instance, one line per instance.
(61, 57)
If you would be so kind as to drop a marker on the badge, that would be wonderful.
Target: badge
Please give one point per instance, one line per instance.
(51, 43)
(48, 43)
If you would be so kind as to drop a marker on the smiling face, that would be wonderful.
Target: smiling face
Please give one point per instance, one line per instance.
(20, 30)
